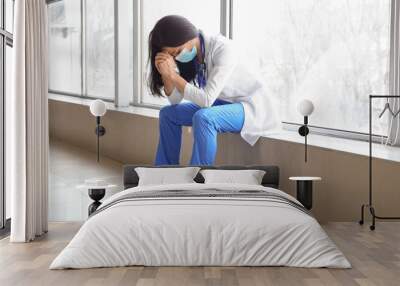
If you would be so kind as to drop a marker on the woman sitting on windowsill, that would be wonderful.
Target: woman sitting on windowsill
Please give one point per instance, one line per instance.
(222, 95)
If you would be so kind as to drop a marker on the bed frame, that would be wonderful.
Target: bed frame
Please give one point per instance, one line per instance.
(270, 179)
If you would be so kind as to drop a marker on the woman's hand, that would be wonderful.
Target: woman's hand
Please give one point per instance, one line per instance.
(165, 64)
(166, 71)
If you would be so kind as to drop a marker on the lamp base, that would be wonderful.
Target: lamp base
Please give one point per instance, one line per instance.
(96, 195)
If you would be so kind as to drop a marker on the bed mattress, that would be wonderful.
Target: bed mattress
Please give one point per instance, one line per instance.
(201, 225)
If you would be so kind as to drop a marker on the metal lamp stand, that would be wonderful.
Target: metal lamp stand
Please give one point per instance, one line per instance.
(370, 202)
(304, 131)
(100, 131)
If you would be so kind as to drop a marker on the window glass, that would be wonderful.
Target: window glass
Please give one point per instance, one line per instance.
(9, 9)
(8, 82)
(132, 66)
(205, 15)
(335, 53)
(100, 58)
(64, 19)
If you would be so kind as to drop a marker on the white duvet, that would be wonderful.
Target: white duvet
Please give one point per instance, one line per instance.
(200, 231)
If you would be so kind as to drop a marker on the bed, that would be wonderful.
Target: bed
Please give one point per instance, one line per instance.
(198, 224)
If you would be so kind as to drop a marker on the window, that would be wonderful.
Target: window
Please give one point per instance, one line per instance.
(7, 90)
(9, 15)
(333, 52)
(153, 10)
(6, 43)
(99, 43)
(82, 44)
(65, 69)
(81, 48)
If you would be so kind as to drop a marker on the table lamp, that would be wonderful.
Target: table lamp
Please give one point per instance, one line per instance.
(305, 108)
(98, 109)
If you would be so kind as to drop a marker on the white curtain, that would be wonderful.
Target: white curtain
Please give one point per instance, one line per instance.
(27, 121)
(394, 74)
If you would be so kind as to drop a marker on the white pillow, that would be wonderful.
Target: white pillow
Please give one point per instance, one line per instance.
(166, 176)
(248, 177)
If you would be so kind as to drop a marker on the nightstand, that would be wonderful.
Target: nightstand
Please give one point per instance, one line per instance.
(304, 191)
(96, 191)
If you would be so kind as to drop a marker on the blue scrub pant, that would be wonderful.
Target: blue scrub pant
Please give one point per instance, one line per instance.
(207, 123)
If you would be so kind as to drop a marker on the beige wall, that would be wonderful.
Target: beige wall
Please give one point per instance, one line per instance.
(133, 139)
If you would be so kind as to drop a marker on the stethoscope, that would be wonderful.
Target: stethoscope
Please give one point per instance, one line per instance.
(201, 68)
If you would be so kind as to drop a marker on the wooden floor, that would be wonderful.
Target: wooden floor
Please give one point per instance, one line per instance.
(375, 257)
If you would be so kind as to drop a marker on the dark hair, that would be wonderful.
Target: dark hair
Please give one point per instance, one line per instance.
(170, 31)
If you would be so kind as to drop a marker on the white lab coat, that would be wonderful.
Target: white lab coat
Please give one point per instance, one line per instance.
(230, 80)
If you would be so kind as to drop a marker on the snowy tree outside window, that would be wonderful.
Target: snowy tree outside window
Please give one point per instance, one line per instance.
(335, 53)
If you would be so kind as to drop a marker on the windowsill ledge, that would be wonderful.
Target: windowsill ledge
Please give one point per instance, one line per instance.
(356, 147)
(138, 110)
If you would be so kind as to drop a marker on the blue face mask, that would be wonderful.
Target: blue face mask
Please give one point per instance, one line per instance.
(186, 56)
